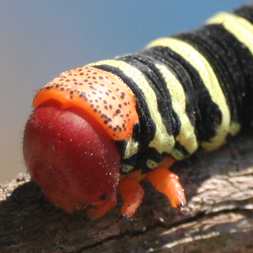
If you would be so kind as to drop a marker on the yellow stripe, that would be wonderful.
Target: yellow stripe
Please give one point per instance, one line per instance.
(241, 28)
(131, 148)
(198, 61)
(186, 136)
(162, 141)
(152, 164)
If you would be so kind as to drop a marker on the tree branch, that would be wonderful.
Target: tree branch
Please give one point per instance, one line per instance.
(218, 217)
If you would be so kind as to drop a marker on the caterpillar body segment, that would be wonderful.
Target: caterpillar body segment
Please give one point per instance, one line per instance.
(101, 129)
(100, 94)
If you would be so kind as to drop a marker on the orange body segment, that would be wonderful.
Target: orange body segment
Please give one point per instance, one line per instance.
(99, 94)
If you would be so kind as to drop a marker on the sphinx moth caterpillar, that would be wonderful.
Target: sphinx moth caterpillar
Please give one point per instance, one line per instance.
(99, 130)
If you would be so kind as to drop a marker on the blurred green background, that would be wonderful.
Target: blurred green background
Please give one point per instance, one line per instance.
(39, 39)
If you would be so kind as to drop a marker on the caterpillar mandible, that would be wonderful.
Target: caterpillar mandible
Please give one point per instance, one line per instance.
(100, 130)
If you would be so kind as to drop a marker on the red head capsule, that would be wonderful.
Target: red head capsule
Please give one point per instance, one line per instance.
(69, 138)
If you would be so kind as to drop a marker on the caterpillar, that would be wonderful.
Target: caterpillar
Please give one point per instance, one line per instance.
(99, 130)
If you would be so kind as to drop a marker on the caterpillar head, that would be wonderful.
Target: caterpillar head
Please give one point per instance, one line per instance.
(69, 138)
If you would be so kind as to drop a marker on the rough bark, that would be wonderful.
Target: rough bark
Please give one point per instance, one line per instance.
(218, 217)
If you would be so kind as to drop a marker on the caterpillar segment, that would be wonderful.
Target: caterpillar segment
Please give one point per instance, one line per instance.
(98, 131)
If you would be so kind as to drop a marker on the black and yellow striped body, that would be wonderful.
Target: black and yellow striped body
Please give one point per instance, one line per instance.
(193, 90)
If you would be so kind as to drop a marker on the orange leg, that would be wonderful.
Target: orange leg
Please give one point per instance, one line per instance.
(167, 183)
(131, 193)
(101, 208)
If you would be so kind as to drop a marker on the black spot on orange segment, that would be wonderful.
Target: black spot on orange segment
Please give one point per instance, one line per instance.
(122, 95)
